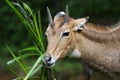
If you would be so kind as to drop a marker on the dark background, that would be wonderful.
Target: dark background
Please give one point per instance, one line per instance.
(12, 31)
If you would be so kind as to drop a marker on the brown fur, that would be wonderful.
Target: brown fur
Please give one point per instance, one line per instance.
(101, 33)
(99, 46)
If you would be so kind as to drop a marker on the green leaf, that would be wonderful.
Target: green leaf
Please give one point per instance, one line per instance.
(27, 8)
(16, 59)
(29, 49)
(36, 70)
(21, 8)
(22, 56)
(32, 23)
(34, 66)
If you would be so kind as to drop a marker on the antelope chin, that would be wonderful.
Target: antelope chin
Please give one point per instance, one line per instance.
(52, 64)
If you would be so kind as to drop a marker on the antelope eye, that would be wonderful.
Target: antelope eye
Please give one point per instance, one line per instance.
(65, 34)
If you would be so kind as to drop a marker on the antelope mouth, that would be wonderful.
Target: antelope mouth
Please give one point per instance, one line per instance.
(49, 65)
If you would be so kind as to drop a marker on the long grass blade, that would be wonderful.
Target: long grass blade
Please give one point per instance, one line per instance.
(28, 50)
(34, 66)
(22, 56)
(16, 59)
(32, 23)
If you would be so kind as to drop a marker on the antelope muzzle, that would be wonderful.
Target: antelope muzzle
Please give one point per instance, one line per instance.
(49, 61)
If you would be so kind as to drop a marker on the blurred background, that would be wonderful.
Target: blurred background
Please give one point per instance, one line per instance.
(13, 32)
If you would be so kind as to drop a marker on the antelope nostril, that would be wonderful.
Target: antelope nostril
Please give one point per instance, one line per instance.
(49, 61)
(47, 58)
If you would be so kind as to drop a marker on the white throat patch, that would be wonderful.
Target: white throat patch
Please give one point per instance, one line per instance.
(75, 53)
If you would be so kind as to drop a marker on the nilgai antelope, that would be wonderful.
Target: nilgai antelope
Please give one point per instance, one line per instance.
(95, 45)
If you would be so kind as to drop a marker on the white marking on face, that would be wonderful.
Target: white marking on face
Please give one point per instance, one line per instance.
(61, 34)
(46, 34)
(75, 53)
(47, 31)
(53, 60)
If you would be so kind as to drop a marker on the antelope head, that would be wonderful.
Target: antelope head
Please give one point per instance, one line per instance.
(61, 35)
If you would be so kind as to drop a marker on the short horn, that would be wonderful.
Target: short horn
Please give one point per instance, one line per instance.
(66, 14)
(50, 17)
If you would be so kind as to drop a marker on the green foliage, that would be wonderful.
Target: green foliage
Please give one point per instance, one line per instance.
(99, 11)
(32, 23)
(13, 32)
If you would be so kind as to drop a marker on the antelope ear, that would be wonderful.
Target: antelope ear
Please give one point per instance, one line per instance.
(58, 15)
(79, 24)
